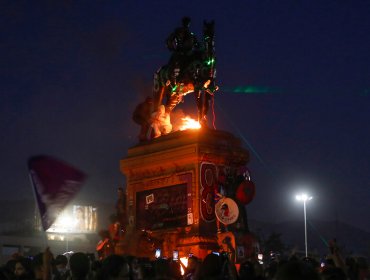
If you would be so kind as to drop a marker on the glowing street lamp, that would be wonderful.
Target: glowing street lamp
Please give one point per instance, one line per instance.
(69, 224)
(304, 197)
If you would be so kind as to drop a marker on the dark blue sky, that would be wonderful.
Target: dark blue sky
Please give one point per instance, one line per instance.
(71, 73)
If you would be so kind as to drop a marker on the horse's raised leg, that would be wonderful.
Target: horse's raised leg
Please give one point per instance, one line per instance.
(198, 101)
(173, 99)
(202, 99)
(205, 106)
(158, 91)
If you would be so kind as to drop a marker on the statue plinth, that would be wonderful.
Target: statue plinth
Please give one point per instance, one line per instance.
(171, 185)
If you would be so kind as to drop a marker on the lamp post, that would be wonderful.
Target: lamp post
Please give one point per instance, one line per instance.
(69, 225)
(304, 197)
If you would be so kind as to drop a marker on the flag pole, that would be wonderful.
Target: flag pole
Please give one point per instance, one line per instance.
(37, 215)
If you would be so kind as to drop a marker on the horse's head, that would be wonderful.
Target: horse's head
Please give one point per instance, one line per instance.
(208, 71)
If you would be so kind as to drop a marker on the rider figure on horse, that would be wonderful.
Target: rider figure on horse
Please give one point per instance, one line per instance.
(191, 69)
(182, 43)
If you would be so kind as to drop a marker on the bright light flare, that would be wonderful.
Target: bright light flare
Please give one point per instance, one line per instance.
(184, 261)
(65, 223)
(303, 197)
(189, 123)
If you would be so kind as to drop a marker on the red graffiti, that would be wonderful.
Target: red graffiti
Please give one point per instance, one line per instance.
(208, 184)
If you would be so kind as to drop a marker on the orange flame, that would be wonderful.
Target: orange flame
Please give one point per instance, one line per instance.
(189, 123)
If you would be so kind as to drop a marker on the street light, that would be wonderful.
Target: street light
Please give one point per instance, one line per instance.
(68, 224)
(304, 197)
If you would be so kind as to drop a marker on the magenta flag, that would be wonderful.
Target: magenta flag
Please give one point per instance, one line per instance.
(55, 183)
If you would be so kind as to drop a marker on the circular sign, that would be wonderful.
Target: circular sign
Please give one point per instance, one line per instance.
(245, 192)
(227, 211)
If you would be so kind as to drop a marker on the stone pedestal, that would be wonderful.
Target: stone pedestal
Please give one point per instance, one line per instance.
(171, 183)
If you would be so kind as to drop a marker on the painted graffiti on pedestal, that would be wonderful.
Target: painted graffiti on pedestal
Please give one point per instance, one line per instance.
(162, 208)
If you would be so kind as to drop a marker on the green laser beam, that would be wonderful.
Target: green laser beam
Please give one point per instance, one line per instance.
(318, 233)
(250, 146)
(251, 89)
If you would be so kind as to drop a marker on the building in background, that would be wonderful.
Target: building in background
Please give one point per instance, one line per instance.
(74, 230)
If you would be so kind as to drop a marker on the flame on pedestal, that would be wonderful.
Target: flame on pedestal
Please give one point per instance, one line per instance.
(189, 123)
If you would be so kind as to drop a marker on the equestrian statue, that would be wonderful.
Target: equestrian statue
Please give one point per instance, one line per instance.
(191, 69)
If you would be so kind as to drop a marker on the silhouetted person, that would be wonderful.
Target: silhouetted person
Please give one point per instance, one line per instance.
(62, 272)
(294, 270)
(114, 267)
(181, 42)
(23, 269)
(142, 116)
(80, 266)
(105, 246)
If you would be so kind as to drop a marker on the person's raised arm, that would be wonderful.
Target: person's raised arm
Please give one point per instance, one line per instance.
(46, 262)
(336, 256)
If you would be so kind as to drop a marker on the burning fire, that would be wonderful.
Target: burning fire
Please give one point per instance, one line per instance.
(184, 261)
(189, 123)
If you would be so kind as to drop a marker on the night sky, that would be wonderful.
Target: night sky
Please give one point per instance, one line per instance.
(294, 81)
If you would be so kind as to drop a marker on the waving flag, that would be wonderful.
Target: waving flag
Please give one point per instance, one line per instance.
(55, 183)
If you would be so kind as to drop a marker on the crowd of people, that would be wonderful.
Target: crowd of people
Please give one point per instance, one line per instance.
(215, 266)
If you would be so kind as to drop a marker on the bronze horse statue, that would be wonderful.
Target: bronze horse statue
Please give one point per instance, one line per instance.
(196, 75)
